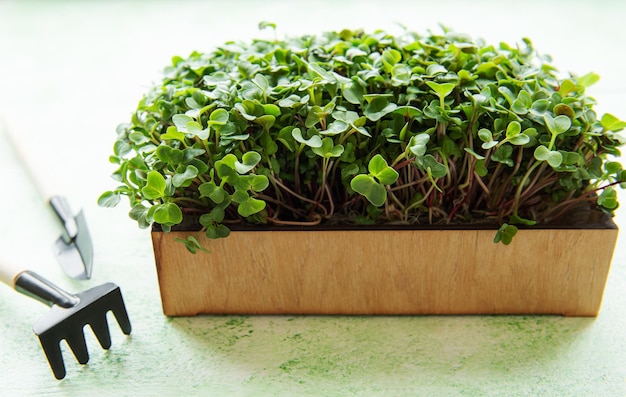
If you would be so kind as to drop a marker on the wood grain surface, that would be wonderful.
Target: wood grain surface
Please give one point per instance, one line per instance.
(386, 272)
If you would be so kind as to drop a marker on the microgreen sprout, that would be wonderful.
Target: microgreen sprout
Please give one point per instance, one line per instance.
(356, 127)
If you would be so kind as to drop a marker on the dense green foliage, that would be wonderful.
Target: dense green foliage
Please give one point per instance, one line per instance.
(354, 127)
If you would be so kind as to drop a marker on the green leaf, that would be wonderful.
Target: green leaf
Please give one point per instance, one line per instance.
(540, 107)
(567, 86)
(217, 231)
(608, 198)
(259, 183)
(266, 24)
(164, 153)
(349, 170)
(271, 109)
(378, 108)
(503, 155)
(473, 153)
(293, 101)
(391, 57)
(249, 161)
(316, 70)
(261, 81)
(314, 142)
(379, 169)
(487, 68)
(520, 140)
(513, 129)
(246, 109)
(489, 145)
(216, 193)
(138, 212)
(612, 123)
(229, 160)
(558, 124)
(519, 108)
(480, 168)
(108, 199)
(185, 178)
(612, 167)
(588, 80)
(401, 75)
(437, 170)
(168, 214)
(138, 138)
(226, 171)
(218, 117)
(522, 103)
(573, 158)
(442, 90)
(353, 93)
(553, 157)
(180, 121)
(192, 244)
(367, 186)
(507, 93)
(336, 127)
(155, 187)
(265, 121)
(435, 69)
(195, 129)
(505, 234)
(563, 109)
(485, 135)
(250, 206)
(173, 134)
(241, 195)
(216, 215)
(328, 149)
(417, 144)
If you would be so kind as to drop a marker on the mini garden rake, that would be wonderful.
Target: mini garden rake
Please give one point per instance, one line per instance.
(69, 314)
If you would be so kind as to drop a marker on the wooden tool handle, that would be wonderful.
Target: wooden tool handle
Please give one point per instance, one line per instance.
(9, 271)
(33, 285)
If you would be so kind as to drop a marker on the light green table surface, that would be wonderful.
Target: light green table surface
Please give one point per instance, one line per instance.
(70, 71)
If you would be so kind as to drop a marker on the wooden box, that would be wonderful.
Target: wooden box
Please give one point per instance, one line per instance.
(543, 271)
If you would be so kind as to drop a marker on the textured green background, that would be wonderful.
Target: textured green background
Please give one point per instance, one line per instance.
(70, 71)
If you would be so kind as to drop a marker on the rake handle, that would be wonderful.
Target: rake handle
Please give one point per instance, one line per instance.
(35, 286)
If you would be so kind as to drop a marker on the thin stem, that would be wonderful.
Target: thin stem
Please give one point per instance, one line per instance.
(331, 210)
(482, 184)
(518, 192)
(314, 222)
(285, 188)
(189, 200)
(419, 202)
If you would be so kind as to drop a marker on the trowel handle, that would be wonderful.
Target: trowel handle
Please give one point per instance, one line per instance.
(35, 286)
(37, 174)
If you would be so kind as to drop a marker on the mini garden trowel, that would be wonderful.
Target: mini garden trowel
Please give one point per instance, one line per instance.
(73, 249)
(69, 314)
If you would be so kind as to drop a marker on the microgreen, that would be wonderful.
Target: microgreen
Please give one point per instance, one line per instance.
(357, 127)
(373, 185)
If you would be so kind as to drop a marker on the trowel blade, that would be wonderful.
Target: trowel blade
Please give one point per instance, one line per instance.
(76, 256)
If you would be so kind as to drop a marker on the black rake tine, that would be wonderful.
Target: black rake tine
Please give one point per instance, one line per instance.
(52, 349)
(78, 345)
(100, 327)
(121, 315)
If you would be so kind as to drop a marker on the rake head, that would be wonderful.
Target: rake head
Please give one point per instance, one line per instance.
(67, 318)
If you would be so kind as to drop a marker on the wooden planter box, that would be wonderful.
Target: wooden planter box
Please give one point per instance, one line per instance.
(543, 271)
